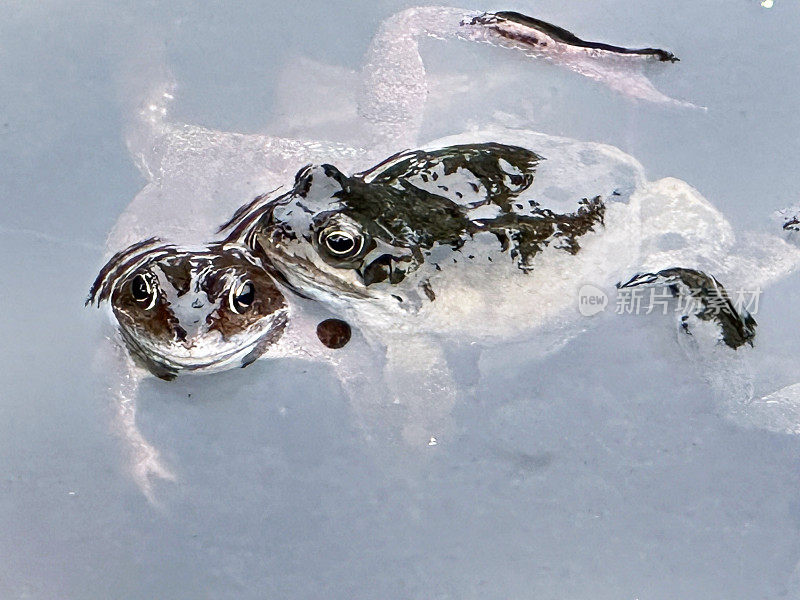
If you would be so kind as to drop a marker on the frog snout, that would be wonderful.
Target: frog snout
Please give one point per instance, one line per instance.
(191, 340)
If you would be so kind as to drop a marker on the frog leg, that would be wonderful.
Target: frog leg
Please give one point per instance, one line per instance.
(617, 67)
(400, 384)
(778, 411)
(161, 147)
(123, 389)
(715, 327)
(703, 300)
(393, 80)
(421, 385)
(186, 165)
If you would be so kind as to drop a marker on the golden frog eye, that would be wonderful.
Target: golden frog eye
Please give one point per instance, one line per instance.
(144, 291)
(242, 297)
(340, 242)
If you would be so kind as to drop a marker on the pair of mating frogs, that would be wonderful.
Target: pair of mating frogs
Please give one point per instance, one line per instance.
(486, 235)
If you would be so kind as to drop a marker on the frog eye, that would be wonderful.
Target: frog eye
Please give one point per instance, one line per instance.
(341, 242)
(144, 291)
(242, 296)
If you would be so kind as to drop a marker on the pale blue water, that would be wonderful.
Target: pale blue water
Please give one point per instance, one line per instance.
(602, 471)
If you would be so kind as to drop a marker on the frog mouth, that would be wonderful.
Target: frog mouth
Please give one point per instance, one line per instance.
(167, 361)
(310, 277)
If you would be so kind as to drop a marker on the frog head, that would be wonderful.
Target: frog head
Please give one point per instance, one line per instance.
(350, 236)
(316, 237)
(191, 309)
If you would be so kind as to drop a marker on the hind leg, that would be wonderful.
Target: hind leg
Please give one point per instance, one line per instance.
(123, 387)
(702, 299)
(394, 85)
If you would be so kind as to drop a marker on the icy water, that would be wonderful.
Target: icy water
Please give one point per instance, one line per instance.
(606, 470)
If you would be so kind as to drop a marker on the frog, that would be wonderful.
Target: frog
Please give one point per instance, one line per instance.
(502, 215)
(196, 176)
(185, 309)
(491, 241)
(390, 235)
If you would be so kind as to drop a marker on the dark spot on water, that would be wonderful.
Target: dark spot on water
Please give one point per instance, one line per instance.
(334, 333)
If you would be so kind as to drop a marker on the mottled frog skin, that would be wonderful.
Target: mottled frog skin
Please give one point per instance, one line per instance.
(383, 225)
(394, 233)
(192, 310)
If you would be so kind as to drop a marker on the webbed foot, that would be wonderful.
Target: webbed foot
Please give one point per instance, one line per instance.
(538, 34)
(615, 66)
(124, 378)
(705, 300)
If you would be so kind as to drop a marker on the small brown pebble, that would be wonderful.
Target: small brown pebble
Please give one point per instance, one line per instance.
(334, 333)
